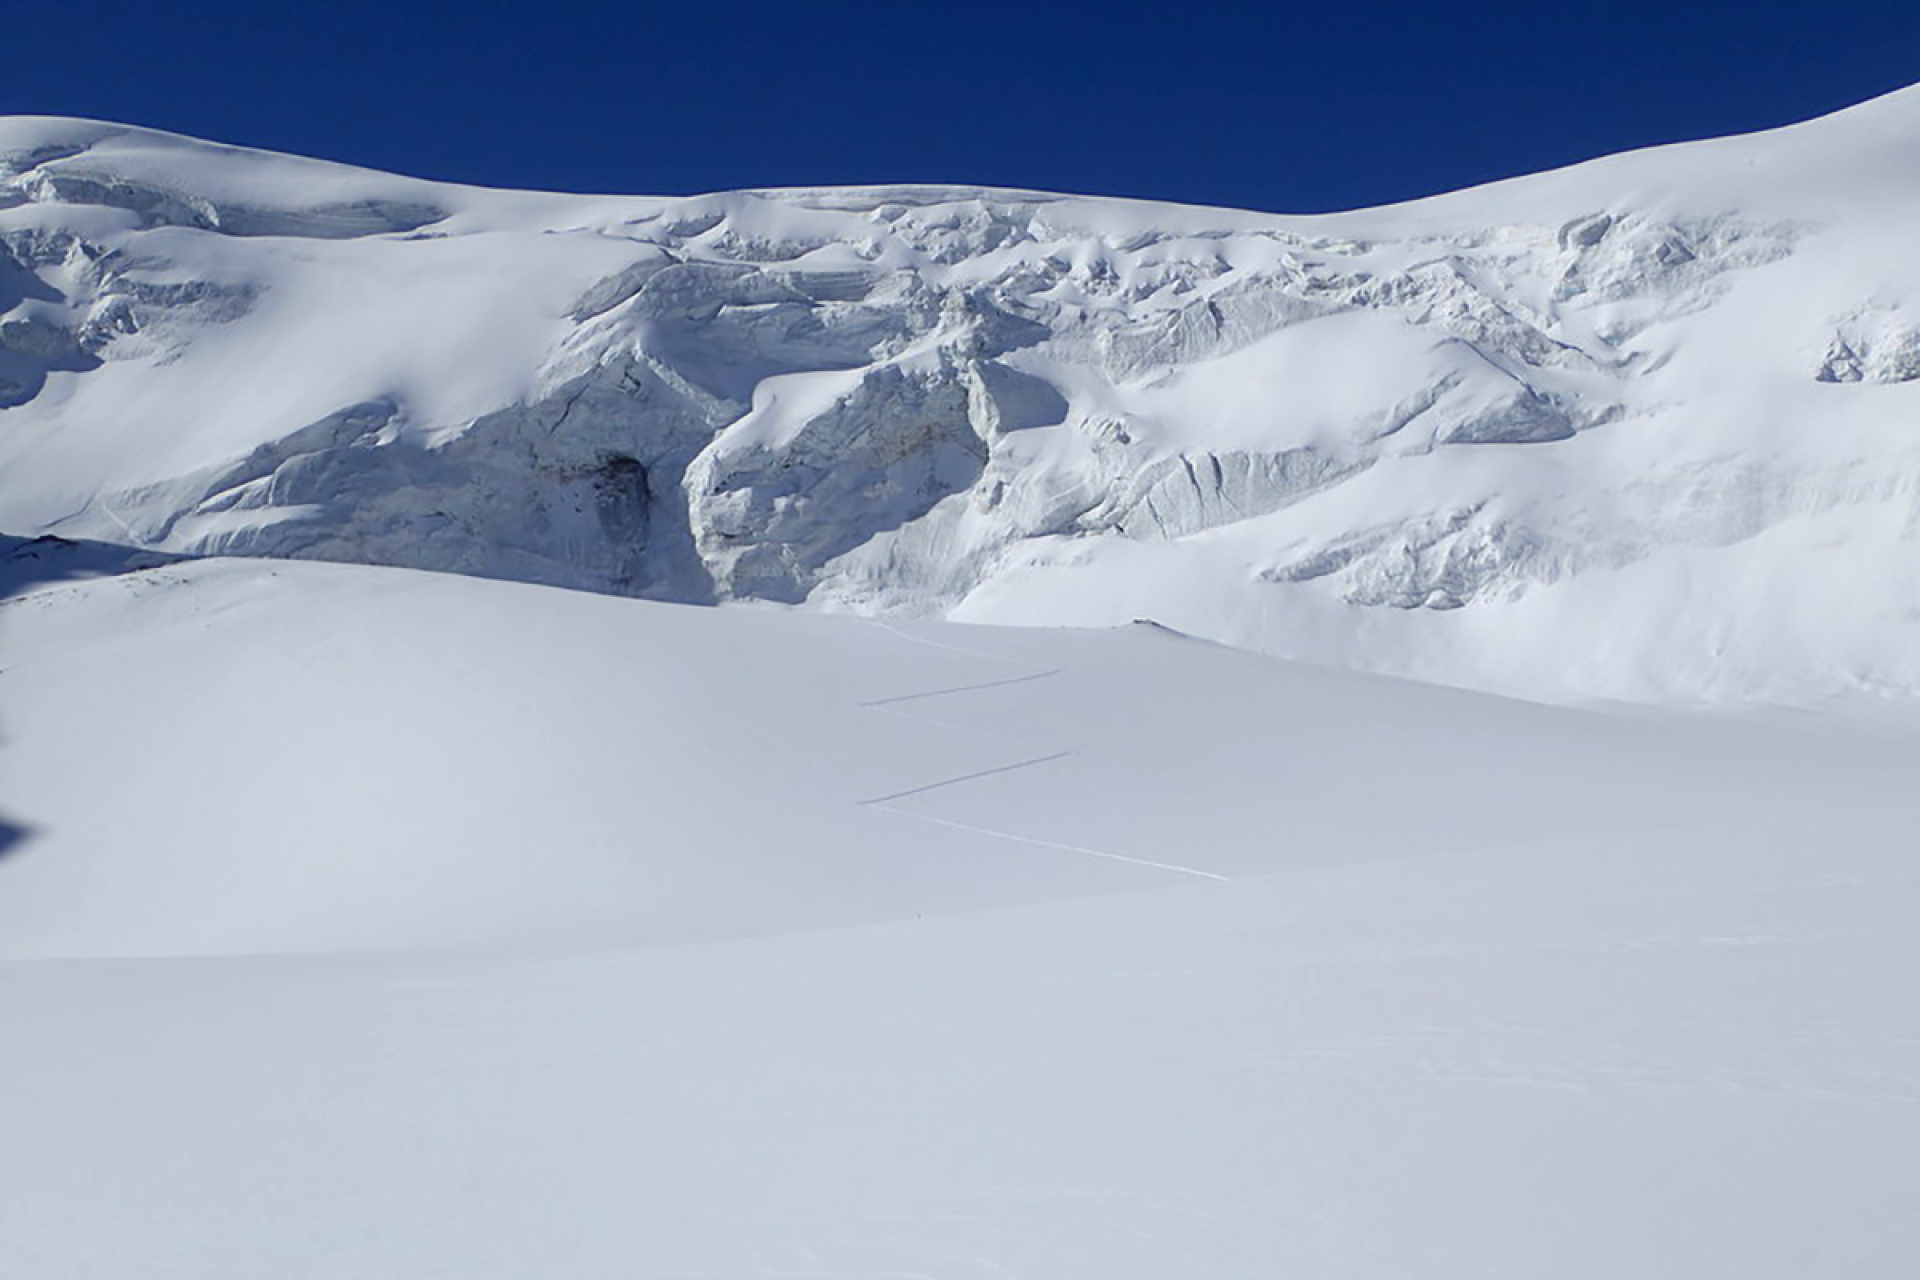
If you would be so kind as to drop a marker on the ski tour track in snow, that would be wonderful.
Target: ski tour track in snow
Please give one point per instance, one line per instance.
(886, 803)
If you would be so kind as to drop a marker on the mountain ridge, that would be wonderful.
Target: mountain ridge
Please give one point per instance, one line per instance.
(1019, 407)
(1887, 106)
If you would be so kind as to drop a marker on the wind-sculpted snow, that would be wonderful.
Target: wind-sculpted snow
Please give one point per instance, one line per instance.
(1315, 436)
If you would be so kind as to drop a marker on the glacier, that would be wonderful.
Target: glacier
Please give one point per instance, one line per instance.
(399, 878)
(1636, 429)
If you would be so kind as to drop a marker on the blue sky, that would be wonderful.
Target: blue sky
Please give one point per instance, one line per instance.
(1281, 106)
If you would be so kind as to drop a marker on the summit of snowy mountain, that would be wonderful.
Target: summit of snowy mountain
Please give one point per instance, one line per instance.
(1639, 428)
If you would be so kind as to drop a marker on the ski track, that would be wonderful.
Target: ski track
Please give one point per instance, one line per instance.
(966, 777)
(885, 803)
(962, 688)
(910, 638)
(1107, 854)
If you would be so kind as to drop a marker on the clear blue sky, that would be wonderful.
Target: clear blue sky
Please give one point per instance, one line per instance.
(1274, 106)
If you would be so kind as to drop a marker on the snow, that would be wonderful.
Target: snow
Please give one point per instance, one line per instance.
(1092, 839)
(925, 402)
(520, 767)
(1465, 1076)
(374, 922)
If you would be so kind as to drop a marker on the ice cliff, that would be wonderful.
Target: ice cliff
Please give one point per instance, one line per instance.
(1642, 428)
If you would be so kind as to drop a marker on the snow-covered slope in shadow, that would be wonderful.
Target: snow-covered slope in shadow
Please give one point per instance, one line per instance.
(1638, 428)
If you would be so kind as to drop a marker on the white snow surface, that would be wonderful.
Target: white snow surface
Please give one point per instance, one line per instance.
(622, 939)
(1640, 429)
(363, 921)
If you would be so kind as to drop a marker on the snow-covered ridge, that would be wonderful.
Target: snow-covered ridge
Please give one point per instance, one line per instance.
(1637, 428)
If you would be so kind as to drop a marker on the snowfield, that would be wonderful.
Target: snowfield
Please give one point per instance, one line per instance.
(1426, 789)
(320, 758)
(642, 940)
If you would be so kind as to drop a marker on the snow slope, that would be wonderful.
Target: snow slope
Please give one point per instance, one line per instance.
(363, 921)
(1635, 429)
(320, 758)
(651, 941)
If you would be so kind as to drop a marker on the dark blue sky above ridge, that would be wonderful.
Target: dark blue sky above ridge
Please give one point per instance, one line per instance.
(1285, 107)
